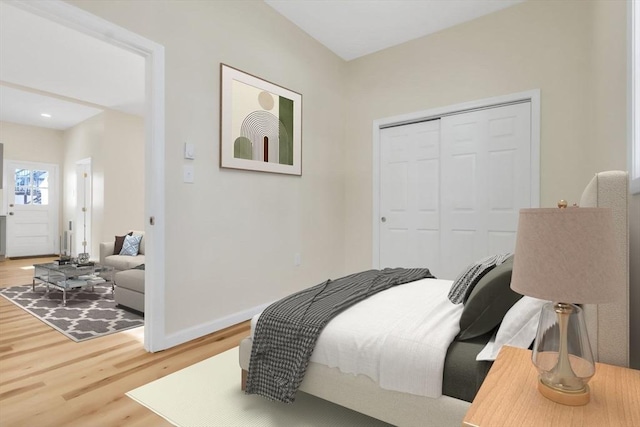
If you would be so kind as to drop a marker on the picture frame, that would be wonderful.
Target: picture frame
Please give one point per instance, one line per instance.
(260, 124)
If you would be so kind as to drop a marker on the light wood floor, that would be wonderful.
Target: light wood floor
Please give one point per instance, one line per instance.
(48, 380)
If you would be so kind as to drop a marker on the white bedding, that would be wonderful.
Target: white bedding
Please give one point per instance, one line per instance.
(398, 337)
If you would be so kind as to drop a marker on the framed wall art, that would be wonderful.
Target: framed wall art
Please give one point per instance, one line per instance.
(260, 124)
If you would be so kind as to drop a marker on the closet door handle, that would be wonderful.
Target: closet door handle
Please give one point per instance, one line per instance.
(383, 219)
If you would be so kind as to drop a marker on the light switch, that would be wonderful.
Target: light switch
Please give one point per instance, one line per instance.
(188, 173)
(189, 151)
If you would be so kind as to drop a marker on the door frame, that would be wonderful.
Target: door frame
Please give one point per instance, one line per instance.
(532, 96)
(153, 53)
(83, 226)
(55, 207)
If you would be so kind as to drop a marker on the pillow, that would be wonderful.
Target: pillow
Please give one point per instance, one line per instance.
(488, 302)
(518, 328)
(117, 246)
(131, 245)
(470, 276)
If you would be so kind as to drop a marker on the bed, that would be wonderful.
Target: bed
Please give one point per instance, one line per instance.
(462, 374)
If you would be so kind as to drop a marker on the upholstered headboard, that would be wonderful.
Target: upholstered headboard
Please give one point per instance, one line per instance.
(608, 324)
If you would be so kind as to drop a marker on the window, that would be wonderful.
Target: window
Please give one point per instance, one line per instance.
(32, 187)
(634, 104)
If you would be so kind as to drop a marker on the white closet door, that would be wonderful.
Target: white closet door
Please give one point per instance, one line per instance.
(486, 179)
(409, 195)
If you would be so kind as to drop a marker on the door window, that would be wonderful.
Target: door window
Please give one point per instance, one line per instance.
(32, 187)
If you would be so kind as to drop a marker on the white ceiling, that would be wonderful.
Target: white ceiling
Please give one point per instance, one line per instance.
(354, 28)
(46, 67)
(25, 107)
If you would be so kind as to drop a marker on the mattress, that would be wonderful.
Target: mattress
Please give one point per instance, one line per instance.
(463, 375)
(414, 323)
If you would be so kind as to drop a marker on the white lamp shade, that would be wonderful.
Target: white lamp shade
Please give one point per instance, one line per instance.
(566, 255)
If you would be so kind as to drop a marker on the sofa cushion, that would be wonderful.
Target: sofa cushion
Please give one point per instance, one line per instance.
(130, 279)
(123, 262)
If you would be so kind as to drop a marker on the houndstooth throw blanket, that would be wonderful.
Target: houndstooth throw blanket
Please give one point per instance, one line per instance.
(287, 331)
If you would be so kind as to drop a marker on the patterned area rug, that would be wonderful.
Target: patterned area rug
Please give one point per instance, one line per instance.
(88, 314)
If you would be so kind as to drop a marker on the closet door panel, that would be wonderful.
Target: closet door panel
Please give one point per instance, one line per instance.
(409, 196)
(463, 148)
(509, 168)
(486, 173)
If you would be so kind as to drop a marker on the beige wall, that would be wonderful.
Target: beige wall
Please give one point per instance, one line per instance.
(31, 143)
(561, 48)
(608, 144)
(634, 265)
(124, 165)
(232, 235)
(115, 143)
(85, 140)
(575, 52)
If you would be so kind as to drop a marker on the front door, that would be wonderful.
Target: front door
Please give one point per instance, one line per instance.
(31, 200)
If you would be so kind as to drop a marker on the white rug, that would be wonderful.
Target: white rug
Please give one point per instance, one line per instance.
(208, 394)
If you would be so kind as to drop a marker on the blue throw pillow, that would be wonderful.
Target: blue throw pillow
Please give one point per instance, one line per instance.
(131, 245)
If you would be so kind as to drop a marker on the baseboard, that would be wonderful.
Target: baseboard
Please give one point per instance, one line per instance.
(198, 331)
(131, 310)
(31, 256)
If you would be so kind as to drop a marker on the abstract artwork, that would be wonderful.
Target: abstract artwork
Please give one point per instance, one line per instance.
(260, 124)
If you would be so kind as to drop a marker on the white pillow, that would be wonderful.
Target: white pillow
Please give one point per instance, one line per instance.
(518, 328)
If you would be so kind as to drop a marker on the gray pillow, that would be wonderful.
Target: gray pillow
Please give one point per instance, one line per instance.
(489, 301)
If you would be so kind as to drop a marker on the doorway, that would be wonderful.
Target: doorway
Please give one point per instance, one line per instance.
(153, 53)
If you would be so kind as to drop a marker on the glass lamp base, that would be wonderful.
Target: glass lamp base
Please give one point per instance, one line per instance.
(562, 354)
(574, 398)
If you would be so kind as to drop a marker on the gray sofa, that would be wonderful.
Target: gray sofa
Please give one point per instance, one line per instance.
(129, 281)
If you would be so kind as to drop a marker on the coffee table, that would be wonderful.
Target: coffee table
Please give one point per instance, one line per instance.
(71, 276)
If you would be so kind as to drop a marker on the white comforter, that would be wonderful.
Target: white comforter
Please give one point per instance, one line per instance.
(398, 337)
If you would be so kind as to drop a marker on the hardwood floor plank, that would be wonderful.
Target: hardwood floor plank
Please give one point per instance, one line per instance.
(48, 380)
(19, 390)
(27, 351)
(66, 363)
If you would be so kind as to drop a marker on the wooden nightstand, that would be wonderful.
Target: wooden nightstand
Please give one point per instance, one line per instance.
(509, 397)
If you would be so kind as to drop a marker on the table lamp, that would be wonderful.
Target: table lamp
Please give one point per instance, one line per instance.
(567, 256)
